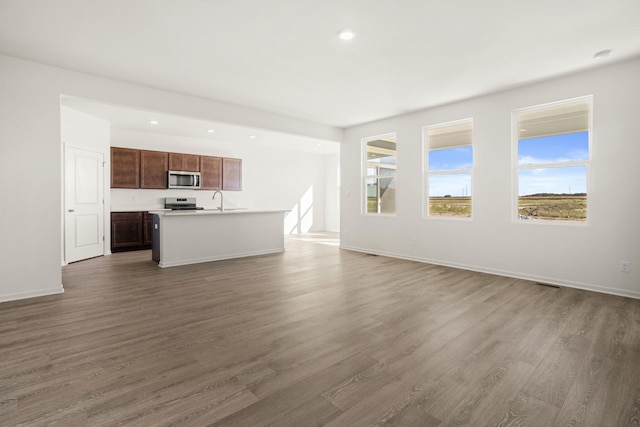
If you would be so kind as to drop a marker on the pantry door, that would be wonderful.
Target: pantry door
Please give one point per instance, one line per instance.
(84, 204)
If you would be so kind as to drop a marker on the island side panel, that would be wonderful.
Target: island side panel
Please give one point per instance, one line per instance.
(195, 238)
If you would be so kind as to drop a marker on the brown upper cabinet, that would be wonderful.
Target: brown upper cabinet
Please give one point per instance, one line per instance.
(131, 168)
(125, 168)
(231, 174)
(184, 162)
(153, 169)
(210, 173)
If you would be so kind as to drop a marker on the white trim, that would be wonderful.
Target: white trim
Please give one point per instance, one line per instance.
(573, 163)
(426, 173)
(505, 273)
(516, 168)
(363, 171)
(33, 294)
(452, 171)
(379, 215)
(371, 165)
(451, 217)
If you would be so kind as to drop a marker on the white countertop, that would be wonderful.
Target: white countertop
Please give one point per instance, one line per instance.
(230, 211)
(136, 210)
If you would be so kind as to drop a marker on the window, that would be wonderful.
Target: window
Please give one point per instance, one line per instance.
(448, 166)
(379, 174)
(552, 143)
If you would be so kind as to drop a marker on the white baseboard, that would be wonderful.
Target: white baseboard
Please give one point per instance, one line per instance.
(33, 294)
(506, 273)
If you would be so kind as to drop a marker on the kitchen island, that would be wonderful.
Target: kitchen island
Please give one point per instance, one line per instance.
(191, 237)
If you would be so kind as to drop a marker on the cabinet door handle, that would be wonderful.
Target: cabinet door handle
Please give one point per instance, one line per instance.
(72, 210)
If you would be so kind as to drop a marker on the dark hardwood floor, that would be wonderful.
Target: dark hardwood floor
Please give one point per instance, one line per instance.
(315, 336)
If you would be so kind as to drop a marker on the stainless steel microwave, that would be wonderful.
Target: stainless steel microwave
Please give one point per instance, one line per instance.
(178, 179)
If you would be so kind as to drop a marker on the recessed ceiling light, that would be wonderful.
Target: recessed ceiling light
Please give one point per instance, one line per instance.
(346, 34)
(319, 144)
(211, 130)
(602, 54)
(252, 136)
(153, 122)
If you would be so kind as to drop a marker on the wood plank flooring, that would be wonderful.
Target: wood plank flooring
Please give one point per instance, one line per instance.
(315, 336)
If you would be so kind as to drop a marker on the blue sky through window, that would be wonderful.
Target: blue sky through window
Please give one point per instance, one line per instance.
(447, 159)
(454, 184)
(542, 150)
(451, 159)
(553, 149)
(569, 180)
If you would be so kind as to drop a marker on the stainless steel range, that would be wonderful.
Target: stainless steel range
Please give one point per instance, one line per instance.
(181, 204)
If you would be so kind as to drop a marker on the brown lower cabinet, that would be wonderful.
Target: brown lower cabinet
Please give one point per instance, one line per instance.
(147, 229)
(131, 231)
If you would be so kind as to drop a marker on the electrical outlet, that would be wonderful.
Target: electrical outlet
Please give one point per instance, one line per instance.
(624, 266)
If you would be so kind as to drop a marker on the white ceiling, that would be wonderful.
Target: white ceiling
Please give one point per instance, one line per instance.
(138, 120)
(284, 56)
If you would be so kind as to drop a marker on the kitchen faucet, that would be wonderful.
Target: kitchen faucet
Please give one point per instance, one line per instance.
(221, 199)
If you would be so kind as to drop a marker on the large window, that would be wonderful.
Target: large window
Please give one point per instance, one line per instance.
(379, 174)
(448, 167)
(552, 143)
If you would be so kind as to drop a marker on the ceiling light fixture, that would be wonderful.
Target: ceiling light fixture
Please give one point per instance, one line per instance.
(602, 54)
(346, 34)
(252, 136)
(153, 122)
(211, 130)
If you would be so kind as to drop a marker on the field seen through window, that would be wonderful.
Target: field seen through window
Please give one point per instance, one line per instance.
(558, 207)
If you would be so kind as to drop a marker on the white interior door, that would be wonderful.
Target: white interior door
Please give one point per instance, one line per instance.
(84, 204)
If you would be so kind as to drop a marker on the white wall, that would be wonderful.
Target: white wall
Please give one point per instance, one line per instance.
(80, 130)
(29, 183)
(30, 151)
(580, 256)
(332, 192)
(271, 178)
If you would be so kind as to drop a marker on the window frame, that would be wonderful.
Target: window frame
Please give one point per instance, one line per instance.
(516, 168)
(426, 173)
(365, 177)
